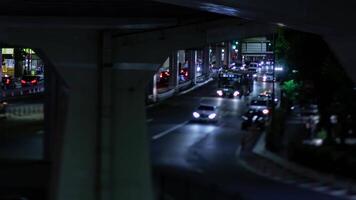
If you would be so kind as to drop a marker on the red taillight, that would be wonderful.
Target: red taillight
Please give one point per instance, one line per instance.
(186, 74)
(161, 75)
(34, 81)
(7, 81)
(23, 81)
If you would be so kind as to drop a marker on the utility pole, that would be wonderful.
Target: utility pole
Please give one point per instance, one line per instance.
(274, 74)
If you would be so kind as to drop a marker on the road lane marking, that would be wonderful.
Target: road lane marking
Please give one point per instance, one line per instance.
(149, 120)
(159, 135)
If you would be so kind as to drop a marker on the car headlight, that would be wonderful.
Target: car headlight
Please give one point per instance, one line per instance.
(254, 75)
(236, 93)
(196, 115)
(219, 92)
(264, 78)
(212, 116)
(265, 111)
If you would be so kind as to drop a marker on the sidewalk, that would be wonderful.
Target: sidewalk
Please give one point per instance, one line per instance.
(256, 158)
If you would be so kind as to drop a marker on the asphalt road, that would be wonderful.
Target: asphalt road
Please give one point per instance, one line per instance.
(198, 161)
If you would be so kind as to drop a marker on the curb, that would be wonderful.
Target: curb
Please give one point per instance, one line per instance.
(196, 86)
(180, 93)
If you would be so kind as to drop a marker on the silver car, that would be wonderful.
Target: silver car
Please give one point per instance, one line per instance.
(206, 113)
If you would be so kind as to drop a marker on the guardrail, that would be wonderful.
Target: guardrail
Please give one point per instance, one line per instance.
(10, 93)
(34, 111)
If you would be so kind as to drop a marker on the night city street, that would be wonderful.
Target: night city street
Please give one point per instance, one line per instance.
(206, 153)
(177, 100)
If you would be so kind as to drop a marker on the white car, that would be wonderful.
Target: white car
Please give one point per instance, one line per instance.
(260, 104)
(267, 78)
(206, 113)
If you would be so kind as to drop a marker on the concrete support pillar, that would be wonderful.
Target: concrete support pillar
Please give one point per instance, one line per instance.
(206, 61)
(228, 53)
(191, 56)
(125, 144)
(154, 87)
(0, 63)
(173, 70)
(239, 53)
(218, 55)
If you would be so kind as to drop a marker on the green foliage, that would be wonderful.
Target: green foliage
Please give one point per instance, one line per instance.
(291, 88)
(282, 46)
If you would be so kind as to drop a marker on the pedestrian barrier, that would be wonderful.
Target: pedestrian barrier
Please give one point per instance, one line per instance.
(21, 91)
(34, 111)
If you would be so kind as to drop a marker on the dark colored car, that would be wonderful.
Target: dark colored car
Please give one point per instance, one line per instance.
(28, 80)
(7, 82)
(255, 118)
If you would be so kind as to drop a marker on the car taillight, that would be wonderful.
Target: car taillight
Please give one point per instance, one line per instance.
(34, 81)
(7, 81)
(23, 81)
(160, 75)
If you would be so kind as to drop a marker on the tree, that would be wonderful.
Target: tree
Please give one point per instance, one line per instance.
(281, 47)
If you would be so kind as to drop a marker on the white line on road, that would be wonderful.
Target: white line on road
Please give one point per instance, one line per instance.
(159, 135)
(149, 120)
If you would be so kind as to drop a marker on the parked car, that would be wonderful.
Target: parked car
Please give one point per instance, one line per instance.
(7, 82)
(255, 118)
(260, 104)
(29, 80)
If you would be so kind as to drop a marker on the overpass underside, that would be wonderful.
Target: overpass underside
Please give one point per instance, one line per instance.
(99, 69)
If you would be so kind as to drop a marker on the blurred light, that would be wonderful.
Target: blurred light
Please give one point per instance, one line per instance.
(264, 78)
(333, 119)
(254, 75)
(196, 115)
(265, 111)
(278, 68)
(275, 100)
(318, 142)
(212, 116)
(198, 69)
(295, 71)
(220, 9)
(223, 50)
(280, 24)
(236, 93)
(233, 46)
(219, 92)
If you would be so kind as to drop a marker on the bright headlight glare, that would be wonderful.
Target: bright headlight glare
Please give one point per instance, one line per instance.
(236, 93)
(219, 92)
(265, 111)
(196, 115)
(212, 116)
